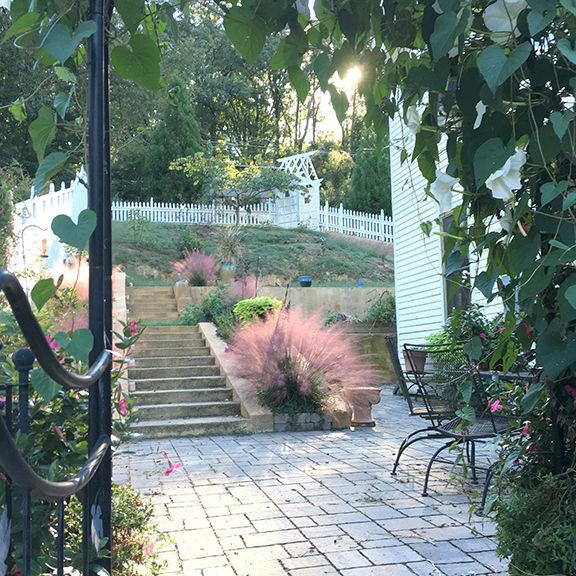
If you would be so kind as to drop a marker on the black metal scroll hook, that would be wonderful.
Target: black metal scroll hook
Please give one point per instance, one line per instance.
(37, 340)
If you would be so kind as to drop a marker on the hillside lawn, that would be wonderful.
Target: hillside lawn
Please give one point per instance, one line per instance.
(146, 250)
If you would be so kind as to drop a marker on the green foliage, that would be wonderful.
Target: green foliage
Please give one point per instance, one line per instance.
(190, 315)
(382, 310)
(220, 179)
(536, 526)
(135, 533)
(334, 166)
(252, 309)
(138, 224)
(370, 184)
(175, 135)
(6, 215)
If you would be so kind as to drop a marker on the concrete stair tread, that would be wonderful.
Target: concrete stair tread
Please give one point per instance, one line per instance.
(189, 404)
(176, 390)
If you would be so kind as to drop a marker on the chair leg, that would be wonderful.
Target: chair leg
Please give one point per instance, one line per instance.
(489, 476)
(471, 456)
(426, 478)
(411, 439)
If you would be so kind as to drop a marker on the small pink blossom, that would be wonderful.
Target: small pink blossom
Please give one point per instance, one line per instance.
(502, 328)
(171, 467)
(133, 327)
(570, 390)
(123, 406)
(495, 405)
(482, 335)
(526, 428)
(149, 548)
(52, 343)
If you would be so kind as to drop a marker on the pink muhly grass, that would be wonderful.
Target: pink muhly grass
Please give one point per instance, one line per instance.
(198, 268)
(244, 288)
(287, 352)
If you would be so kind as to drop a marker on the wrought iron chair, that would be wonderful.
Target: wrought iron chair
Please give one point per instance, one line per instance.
(405, 385)
(455, 401)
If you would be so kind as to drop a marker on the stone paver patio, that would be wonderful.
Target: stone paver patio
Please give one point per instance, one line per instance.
(311, 504)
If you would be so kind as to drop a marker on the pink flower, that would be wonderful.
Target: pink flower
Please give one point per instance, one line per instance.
(133, 327)
(52, 343)
(123, 406)
(495, 405)
(482, 335)
(149, 548)
(526, 428)
(502, 328)
(570, 390)
(171, 467)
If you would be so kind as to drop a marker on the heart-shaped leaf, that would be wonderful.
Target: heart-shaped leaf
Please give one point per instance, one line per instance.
(78, 346)
(44, 385)
(44, 290)
(42, 131)
(555, 355)
(21, 26)
(496, 67)
(62, 101)
(246, 31)
(140, 61)
(61, 43)
(131, 12)
(566, 48)
(51, 165)
(561, 121)
(300, 81)
(550, 191)
(75, 235)
(339, 102)
(323, 70)
(489, 157)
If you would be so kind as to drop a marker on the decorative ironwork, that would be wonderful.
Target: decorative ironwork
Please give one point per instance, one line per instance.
(19, 473)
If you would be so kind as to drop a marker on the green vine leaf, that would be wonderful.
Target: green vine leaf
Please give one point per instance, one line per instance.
(61, 43)
(561, 121)
(489, 157)
(79, 345)
(21, 26)
(62, 101)
(339, 103)
(570, 5)
(131, 12)
(44, 385)
(18, 111)
(246, 31)
(323, 70)
(300, 81)
(550, 191)
(496, 67)
(51, 165)
(42, 131)
(76, 235)
(65, 74)
(139, 62)
(43, 290)
(566, 48)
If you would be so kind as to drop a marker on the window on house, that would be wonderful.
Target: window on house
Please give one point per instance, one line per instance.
(457, 289)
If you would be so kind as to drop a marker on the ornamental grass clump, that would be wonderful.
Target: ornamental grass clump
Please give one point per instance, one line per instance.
(197, 268)
(298, 365)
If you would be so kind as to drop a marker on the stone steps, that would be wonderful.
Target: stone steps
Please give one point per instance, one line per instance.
(179, 389)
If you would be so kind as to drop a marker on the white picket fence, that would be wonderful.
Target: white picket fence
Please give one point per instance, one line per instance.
(193, 213)
(361, 224)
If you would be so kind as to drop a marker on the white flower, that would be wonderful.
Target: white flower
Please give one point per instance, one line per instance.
(480, 111)
(501, 17)
(441, 190)
(503, 182)
(506, 222)
(413, 119)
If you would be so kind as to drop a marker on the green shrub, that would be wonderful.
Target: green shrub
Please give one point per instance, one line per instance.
(136, 536)
(536, 526)
(250, 310)
(382, 310)
(188, 241)
(190, 315)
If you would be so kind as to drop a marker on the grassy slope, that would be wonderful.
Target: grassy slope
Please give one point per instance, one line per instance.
(146, 250)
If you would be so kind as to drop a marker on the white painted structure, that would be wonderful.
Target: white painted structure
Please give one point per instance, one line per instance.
(420, 292)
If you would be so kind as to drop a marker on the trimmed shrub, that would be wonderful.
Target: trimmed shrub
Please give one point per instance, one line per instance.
(252, 309)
